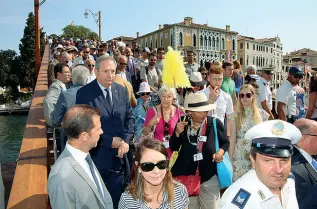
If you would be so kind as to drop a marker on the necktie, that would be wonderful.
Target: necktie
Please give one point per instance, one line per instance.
(94, 175)
(314, 163)
(108, 98)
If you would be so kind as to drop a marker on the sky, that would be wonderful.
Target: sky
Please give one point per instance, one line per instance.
(295, 22)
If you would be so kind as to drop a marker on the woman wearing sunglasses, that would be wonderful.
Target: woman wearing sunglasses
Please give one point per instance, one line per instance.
(143, 105)
(162, 119)
(204, 74)
(247, 116)
(194, 139)
(151, 182)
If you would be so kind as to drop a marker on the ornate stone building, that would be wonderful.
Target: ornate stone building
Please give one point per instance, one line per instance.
(208, 43)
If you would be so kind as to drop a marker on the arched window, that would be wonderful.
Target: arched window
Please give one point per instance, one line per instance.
(151, 44)
(217, 42)
(209, 41)
(201, 40)
(253, 60)
(206, 41)
(247, 60)
(180, 38)
(213, 42)
(171, 39)
(161, 42)
(156, 43)
(222, 43)
(233, 45)
(194, 40)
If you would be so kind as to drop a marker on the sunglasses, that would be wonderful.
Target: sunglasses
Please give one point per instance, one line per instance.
(86, 52)
(147, 167)
(247, 95)
(297, 76)
(204, 74)
(147, 94)
(91, 65)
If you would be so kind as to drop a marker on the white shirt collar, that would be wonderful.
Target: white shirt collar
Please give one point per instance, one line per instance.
(289, 83)
(102, 87)
(264, 81)
(76, 153)
(305, 154)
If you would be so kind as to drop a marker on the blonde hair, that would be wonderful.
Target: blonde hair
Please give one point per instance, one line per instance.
(241, 115)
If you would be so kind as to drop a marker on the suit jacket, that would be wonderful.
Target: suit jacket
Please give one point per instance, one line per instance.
(50, 72)
(305, 175)
(65, 101)
(118, 121)
(50, 100)
(309, 201)
(70, 187)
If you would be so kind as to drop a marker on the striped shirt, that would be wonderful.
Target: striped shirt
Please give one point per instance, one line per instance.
(180, 200)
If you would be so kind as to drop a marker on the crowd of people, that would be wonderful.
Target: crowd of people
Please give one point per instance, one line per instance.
(129, 141)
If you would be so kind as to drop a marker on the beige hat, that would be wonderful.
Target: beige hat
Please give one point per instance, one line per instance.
(198, 102)
(196, 79)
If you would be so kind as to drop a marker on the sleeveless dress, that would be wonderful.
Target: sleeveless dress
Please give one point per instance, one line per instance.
(241, 162)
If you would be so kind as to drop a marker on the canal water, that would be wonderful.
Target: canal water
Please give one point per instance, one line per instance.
(11, 134)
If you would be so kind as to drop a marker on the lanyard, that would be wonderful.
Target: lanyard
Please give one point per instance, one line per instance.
(166, 125)
(202, 132)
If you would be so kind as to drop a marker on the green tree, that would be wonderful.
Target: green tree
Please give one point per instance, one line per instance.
(27, 76)
(78, 31)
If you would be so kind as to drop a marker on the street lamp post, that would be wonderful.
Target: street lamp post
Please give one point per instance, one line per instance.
(97, 21)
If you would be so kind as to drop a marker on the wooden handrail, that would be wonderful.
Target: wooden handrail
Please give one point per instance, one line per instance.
(29, 188)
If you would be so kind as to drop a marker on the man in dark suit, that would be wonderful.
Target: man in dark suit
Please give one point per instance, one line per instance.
(74, 181)
(131, 68)
(304, 167)
(117, 121)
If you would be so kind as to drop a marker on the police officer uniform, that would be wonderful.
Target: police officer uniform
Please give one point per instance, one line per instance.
(272, 138)
(265, 93)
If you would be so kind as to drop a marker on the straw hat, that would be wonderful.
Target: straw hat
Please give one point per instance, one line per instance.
(198, 102)
(196, 79)
(144, 88)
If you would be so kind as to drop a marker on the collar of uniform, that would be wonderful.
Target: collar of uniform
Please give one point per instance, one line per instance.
(262, 192)
(264, 81)
(288, 83)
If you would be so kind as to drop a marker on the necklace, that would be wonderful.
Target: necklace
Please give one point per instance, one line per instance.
(166, 125)
(193, 133)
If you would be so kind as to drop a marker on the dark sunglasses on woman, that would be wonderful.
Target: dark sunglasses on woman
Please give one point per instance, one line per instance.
(147, 93)
(247, 95)
(147, 166)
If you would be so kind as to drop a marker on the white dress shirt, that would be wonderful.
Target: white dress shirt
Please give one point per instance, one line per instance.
(224, 105)
(104, 91)
(265, 93)
(91, 77)
(80, 157)
(287, 95)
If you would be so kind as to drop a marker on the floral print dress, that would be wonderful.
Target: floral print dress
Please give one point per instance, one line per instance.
(241, 162)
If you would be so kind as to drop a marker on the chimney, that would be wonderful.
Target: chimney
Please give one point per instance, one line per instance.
(137, 34)
(160, 27)
(227, 27)
(188, 20)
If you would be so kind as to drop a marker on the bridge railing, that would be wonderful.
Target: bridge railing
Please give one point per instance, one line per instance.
(29, 188)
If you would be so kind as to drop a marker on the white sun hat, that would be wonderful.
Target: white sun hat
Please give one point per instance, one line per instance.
(144, 88)
(198, 102)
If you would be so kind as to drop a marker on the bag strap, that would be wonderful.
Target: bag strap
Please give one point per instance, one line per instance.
(155, 111)
(216, 134)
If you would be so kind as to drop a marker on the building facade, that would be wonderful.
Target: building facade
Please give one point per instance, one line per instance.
(208, 43)
(262, 53)
(305, 55)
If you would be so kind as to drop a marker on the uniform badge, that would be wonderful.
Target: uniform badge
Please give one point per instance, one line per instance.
(262, 196)
(278, 128)
(241, 198)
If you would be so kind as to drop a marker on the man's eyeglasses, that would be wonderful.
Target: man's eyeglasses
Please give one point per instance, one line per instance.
(91, 65)
(309, 134)
(147, 167)
(153, 60)
(147, 94)
(123, 63)
(86, 52)
(247, 95)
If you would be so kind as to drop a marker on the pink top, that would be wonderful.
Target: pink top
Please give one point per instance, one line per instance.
(160, 126)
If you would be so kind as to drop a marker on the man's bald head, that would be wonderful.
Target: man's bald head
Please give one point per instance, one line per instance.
(308, 128)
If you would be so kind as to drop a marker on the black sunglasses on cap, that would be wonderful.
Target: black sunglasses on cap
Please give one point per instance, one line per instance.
(247, 95)
(147, 93)
(147, 166)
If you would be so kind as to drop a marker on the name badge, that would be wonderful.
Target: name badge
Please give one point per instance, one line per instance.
(198, 156)
(166, 144)
(202, 138)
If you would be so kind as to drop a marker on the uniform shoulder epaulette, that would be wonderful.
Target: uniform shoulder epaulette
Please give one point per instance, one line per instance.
(241, 198)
